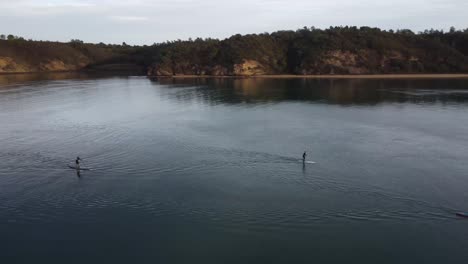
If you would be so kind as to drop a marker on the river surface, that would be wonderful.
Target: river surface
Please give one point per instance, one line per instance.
(210, 170)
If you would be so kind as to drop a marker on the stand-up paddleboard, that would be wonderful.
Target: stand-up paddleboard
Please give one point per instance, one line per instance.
(464, 215)
(78, 168)
(308, 162)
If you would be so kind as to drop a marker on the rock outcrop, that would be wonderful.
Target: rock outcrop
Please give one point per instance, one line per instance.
(246, 68)
(249, 68)
(363, 62)
(8, 64)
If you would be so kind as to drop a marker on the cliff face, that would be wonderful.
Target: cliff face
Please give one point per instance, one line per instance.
(329, 63)
(364, 62)
(246, 68)
(187, 69)
(9, 65)
(333, 62)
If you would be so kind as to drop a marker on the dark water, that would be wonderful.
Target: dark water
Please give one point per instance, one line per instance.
(208, 170)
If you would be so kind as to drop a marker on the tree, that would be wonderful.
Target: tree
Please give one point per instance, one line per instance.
(11, 37)
(76, 41)
(2, 37)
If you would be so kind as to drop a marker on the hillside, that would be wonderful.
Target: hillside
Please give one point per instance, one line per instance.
(18, 55)
(337, 50)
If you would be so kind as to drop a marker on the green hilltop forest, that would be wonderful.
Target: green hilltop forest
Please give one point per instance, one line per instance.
(336, 50)
(20, 55)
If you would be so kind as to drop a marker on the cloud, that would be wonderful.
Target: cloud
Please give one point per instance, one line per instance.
(119, 20)
(30, 8)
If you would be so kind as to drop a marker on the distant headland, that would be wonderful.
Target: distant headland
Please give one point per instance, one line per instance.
(336, 51)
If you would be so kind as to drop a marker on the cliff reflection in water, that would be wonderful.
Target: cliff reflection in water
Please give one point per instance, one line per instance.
(332, 91)
(19, 79)
(271, 90)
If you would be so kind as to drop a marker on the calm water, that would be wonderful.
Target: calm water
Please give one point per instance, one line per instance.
(208, 170)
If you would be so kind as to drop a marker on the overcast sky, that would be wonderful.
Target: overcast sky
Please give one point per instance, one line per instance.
(149, 21)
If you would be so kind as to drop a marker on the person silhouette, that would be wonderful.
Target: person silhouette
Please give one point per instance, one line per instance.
(77, 162)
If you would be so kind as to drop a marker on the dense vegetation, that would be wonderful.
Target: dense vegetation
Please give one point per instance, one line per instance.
(20, 55)
(337, 50)
(345, 50)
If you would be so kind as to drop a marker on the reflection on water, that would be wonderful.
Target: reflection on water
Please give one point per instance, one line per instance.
(17, 80)
(261, 90)
(210, 170)
(335, 91)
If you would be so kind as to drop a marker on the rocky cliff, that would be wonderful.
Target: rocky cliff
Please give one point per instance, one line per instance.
(10, 65)
(245, 68)
(329, 63)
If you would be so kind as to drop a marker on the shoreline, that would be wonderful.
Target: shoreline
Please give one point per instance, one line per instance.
(274, 76)
(329, 76)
